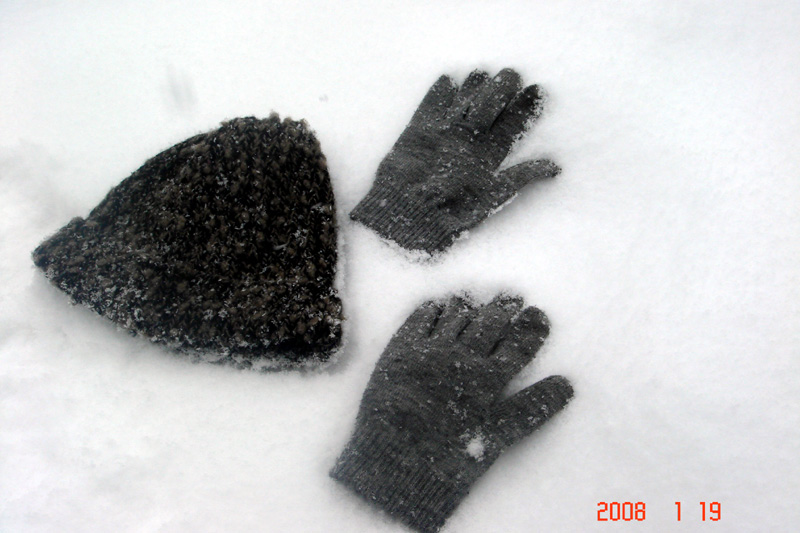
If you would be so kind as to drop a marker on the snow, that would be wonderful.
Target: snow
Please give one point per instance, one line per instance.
(665, 255)
(476, 447)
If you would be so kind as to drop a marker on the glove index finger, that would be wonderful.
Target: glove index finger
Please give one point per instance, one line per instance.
(525, 107)
(524, 338)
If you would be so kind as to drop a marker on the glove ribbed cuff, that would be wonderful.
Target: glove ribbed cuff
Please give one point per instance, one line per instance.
(375, 465)
(397, 216)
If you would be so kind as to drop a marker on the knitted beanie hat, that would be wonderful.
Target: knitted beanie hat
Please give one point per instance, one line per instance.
(223, 244)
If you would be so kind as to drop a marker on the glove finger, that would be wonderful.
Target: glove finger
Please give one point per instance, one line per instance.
(524, 338)
(490, 100)
(514, 119)
(511, 180)
(523, 413)
(421, 322)
(491, 323)
(473, 83)
(468, 90)
(456, 315)
(436, 102)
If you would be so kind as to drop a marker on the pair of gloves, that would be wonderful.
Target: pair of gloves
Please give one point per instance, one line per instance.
(434, 418)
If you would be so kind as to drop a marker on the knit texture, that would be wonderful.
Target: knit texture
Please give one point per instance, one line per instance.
(434, 418)
(442, 176)
(223, 244)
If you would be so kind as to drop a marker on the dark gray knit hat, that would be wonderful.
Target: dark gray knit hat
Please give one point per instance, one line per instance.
(223, 244)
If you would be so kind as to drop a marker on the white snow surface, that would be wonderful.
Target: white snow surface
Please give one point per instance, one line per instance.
(666, 256)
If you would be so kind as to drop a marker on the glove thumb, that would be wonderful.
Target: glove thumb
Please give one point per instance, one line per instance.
(523, 413)
(514, 178)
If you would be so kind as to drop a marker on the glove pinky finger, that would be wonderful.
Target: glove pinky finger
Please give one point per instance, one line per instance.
(421, 322)
(436, 102)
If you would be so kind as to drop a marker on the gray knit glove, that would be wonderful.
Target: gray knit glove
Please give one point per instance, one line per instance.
(441, 177)
(433, 417)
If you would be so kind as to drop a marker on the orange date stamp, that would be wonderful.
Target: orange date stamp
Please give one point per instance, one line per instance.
(637, 511)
